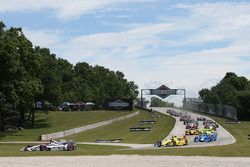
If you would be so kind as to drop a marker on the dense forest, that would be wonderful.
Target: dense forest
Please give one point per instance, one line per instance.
(30, 73)
(232, 90)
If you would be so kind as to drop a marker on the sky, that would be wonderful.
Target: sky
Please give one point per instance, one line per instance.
(182, 44)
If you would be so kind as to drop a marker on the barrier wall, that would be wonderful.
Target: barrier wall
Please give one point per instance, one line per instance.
(213, 109)
(84, 128)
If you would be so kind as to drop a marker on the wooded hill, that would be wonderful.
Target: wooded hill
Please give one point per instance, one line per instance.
(232, 90)
(29, 74)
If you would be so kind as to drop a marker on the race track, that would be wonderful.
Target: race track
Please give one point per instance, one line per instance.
(223, 138)
(136, 160)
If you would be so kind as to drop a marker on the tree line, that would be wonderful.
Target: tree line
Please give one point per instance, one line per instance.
(157, 102)
(232, 90)
(30, 73)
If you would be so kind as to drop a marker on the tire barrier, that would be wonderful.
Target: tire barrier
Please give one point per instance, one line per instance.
(140, 129)
(84, 128)
(248, 137)
(109, 141)
(147, 122)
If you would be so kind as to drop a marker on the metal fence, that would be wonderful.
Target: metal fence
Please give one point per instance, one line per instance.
(213, 109)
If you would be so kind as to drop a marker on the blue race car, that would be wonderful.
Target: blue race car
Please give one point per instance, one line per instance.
(204, 137)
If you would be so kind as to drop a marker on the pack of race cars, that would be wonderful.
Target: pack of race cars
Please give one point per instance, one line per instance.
(207, 134)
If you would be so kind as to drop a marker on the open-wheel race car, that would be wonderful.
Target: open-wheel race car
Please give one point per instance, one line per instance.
(52, 145)
(210, 122)
(205, 137)
(192, 131)
(192, 126)
(201, 118)
(174, 141)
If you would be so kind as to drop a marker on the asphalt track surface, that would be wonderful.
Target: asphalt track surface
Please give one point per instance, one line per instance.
(223, 136)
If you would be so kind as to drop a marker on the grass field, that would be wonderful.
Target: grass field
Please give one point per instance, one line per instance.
(164, 124)
(57, 121)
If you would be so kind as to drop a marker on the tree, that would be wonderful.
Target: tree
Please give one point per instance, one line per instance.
(156, 102)
(232, 90)
(244, 105)
(29, 74)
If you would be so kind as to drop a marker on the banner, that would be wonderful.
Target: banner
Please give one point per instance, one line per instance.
(140, 129)
(163, 91)
(119, 104)
(146, 122)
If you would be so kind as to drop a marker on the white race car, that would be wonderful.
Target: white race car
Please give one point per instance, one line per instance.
(52, 146)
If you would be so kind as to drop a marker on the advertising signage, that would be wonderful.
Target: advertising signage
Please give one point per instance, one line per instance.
(119, 104)
(163, 91)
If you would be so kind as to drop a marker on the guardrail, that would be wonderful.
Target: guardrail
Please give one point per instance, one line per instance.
(84, 128)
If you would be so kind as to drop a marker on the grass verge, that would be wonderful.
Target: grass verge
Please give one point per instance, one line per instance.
(120, 130)
(13, 150)
(58, 121)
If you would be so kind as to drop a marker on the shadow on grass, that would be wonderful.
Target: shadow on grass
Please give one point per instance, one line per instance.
(13, 133)
(39, 124)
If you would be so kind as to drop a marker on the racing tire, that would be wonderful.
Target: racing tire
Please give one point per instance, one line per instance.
(70, 147)
(43, 148)
(168, 145)
(196, 139)
(186, 142)
(158, 144)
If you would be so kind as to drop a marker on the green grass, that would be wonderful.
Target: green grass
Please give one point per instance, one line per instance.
(58, 121)
(164, 124)
(13, 150)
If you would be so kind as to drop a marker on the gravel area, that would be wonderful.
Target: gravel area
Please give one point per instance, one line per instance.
(124, 161)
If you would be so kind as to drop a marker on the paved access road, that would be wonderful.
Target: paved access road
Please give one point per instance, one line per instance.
(124, 161)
